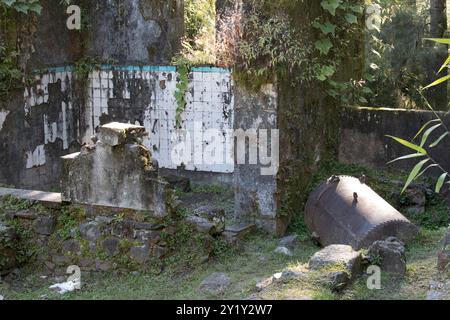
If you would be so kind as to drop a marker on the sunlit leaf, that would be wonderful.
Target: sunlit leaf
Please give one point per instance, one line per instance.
(439, 40)
(434, 144)
(437, 82)
(445, 64)
(410, 156)
(414, 173)
(440, 182)
(409, 145)
(424, 127)
(324, 45)
(428, 132)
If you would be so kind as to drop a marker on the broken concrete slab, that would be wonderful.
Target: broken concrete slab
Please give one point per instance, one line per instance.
(121, 176)
(48, 199)
(241, 230)
(337, 255)
(116, 134)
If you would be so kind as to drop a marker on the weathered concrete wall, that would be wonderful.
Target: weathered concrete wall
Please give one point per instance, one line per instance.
(363, 140)
(116, 171)
(50, 119)
(256, 195)
(146, 31)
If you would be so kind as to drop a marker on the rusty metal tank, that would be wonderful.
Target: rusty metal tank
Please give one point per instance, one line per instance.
(345, 210)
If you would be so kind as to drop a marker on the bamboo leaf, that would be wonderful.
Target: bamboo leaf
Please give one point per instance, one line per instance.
(425, 126)
(440, 182)
(411, 156)
(427, 134)
(445, 64)
(437, 82)
(414, 173)
(434, 144)
(439, 40)
(409, 145)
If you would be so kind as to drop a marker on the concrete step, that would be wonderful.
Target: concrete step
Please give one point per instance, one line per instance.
(48, 199)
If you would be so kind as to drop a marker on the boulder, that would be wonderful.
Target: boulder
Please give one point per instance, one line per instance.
(289, 241)
(140, 254)
(215, 284)
(90, 231)
(391, 253)
(204, 225)
(45, 225)
(111, 246)
(337, 255)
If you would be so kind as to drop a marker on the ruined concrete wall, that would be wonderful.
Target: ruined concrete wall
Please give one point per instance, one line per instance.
(50, 119)
(362, 138)
(146, 31)
(256, 195)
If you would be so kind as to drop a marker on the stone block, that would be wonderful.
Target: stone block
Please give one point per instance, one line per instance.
(45, 225)
(115, 134)
(337, 255)
(391, 252)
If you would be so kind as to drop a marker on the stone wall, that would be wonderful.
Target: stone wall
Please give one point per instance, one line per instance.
(362, 138)
(99, 239)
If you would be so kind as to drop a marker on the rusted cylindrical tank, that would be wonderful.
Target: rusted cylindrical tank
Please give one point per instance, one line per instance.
(344, 210)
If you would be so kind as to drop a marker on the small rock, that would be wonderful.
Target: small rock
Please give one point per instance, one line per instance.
(140, 254)
(443, 260)
(392, 255)
(159, 252)
(71, 246)
(86, 263)
(45, 225)
(147, 236)
(215, 284)
(283, 250)
(203, 225)
(90, 231)
(265, 283)
(415, 211)
(103, 266)
(337, 255)
(147, 226)
(111, 246)
(1, 298)
(104, 220)
(339, 280)
(289, 241)
(416, 196)
(241, 230)
(26, 215)
(287, 275)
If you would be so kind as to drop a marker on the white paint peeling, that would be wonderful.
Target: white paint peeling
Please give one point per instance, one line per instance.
(3, 115)
(211, 105)
(36, 158)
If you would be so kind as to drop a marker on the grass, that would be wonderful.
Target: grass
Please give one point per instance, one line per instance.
(246, 267)
(255, 261)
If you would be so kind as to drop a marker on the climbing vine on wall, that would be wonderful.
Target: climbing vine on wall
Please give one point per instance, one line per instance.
(23, 6)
